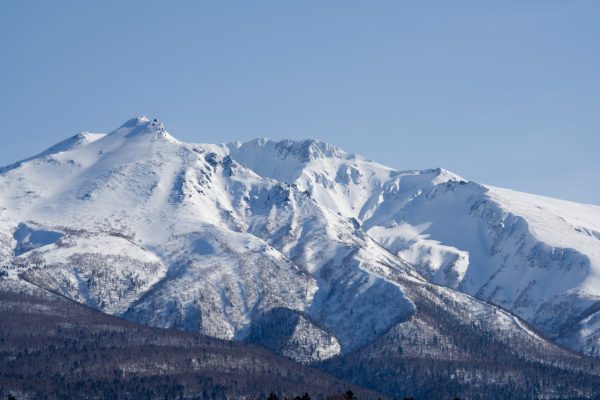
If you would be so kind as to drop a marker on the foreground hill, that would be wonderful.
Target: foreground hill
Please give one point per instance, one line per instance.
(53, 348)
(469, 353)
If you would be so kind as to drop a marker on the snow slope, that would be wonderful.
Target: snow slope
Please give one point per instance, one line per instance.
(175, 235)
(233, 239)
(535, 256)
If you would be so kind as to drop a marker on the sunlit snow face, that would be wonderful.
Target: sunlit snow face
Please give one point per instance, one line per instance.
(233, 231)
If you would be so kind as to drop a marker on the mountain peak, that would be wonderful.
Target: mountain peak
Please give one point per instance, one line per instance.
(305, 150)
(443, 175)
(71, 143)
(309, 149)
(136, 121)
(78, 140)
(142, 126)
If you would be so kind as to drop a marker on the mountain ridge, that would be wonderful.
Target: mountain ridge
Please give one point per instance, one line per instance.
(300, 247)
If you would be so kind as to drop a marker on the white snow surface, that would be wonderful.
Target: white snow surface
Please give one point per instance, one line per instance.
(209, 237)
(535, 256)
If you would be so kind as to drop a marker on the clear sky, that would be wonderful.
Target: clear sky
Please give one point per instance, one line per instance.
(501, 92)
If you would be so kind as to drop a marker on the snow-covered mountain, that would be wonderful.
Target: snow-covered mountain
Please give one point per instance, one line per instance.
(534, 256)
(297, 246)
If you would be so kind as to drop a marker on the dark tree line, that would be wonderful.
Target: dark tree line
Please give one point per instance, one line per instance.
(458, 358)
(53, 348)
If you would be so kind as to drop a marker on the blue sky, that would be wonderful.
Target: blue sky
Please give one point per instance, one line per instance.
(501, 92)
